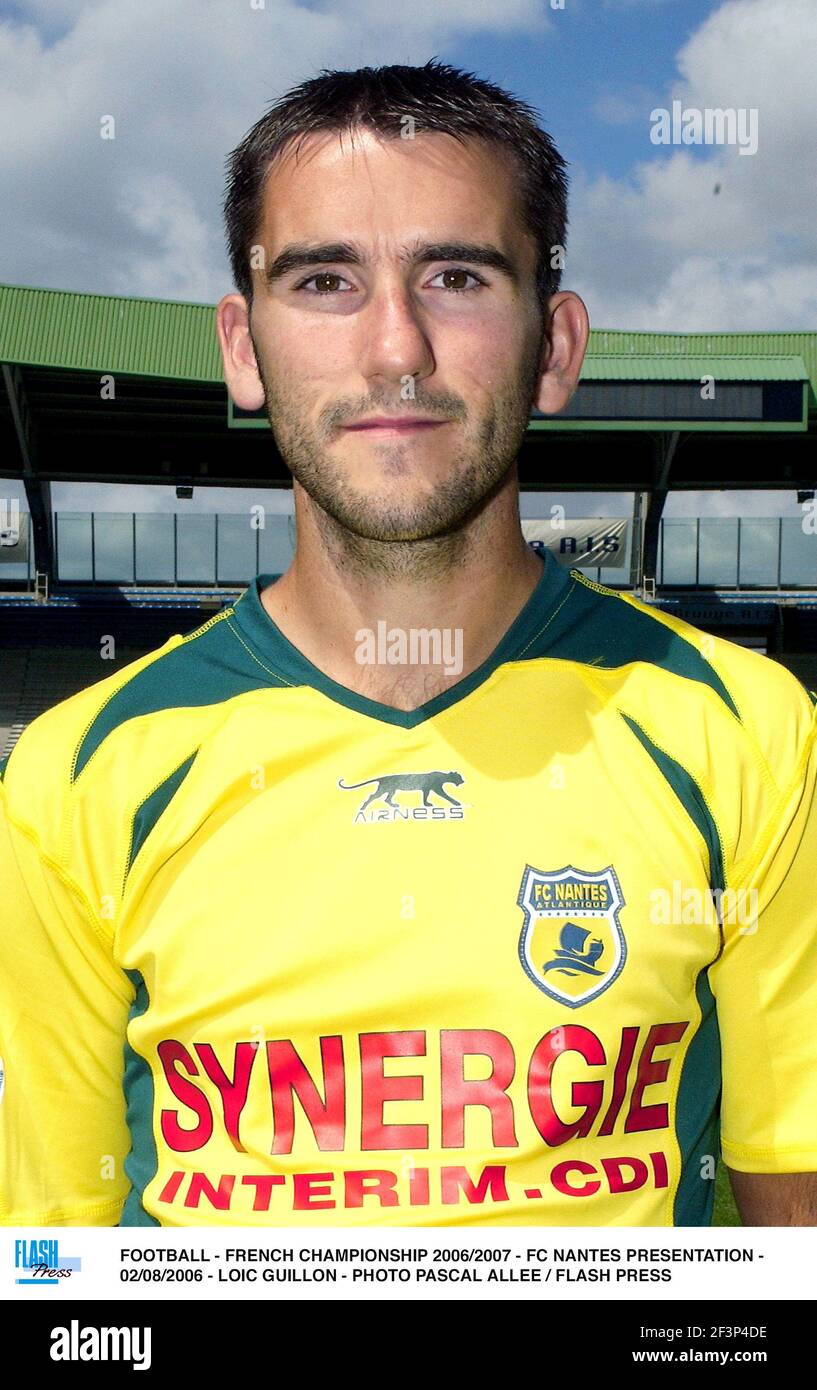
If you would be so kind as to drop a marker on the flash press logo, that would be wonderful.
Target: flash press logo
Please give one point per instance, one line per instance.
(75, 1343)
(39, 1262)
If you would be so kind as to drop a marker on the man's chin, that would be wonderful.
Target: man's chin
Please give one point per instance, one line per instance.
(391, 532)
(395, 516)
(394, 510)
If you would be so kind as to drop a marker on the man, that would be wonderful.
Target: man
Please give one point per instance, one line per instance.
(295, 936)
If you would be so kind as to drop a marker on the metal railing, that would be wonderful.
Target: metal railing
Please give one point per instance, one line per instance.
(743, 553)
(165, 548)
(228, 549)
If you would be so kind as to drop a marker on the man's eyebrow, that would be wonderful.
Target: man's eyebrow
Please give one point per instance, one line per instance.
(478, 253)
(301, 255)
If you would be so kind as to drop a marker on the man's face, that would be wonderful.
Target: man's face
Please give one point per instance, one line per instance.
(396, 327)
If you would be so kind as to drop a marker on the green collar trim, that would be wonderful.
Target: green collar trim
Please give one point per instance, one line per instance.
(288, 662)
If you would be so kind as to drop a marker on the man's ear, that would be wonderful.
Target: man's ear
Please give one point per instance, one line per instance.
(237, 352)
(563, 352)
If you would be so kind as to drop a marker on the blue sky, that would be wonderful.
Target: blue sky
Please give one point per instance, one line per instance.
(595, 72)
(650, 245)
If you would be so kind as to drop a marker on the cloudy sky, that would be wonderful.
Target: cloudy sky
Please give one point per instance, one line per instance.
(651, 244)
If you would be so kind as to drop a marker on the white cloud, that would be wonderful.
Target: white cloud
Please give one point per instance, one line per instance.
(662, 249)
(141, 213)
(179, 247)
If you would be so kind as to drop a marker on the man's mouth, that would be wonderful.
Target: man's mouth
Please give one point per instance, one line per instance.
(404, 424)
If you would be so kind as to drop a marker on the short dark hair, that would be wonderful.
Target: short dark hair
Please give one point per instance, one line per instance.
(439, 98)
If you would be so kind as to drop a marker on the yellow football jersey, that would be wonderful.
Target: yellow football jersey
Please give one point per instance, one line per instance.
(275, 953)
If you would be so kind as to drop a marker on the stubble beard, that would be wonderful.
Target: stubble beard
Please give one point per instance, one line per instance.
(421, 538)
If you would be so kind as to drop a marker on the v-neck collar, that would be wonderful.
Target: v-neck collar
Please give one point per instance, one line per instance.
(287, 661)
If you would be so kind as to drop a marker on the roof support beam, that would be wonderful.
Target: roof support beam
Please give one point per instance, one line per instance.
(667, 445)
(38, 490)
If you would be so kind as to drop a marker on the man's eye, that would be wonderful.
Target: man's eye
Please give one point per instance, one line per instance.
(456, 273)
(321, 275)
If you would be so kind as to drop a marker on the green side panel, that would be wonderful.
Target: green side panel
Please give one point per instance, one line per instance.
(3, 765)
(697, 1111)
(603, 630)
(142, 1161)
(153, 806)
(206, 670)
(697, 1115)
(691, 798)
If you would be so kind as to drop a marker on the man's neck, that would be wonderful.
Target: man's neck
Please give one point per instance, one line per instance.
(402, 626)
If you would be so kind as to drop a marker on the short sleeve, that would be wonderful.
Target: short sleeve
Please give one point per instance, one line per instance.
(63, 1015)
(765, 983)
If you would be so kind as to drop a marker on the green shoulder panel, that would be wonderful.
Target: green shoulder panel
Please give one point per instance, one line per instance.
(598, 627)
(208, 667)
(697, 1115)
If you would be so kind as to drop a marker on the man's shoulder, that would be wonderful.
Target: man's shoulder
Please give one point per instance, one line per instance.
(753, 675)
(757, 693)
(56, 746)
(42, 764)
(698, 691)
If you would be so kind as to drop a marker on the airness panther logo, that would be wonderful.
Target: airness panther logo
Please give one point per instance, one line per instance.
(572, 944)
(393, 783)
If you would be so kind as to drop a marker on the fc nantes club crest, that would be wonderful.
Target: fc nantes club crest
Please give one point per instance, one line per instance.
(572, 945)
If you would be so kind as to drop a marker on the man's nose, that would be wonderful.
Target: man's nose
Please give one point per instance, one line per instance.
(394, 340)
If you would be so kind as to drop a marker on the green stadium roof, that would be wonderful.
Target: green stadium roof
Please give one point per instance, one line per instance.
(108, 333)
(176, 341)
